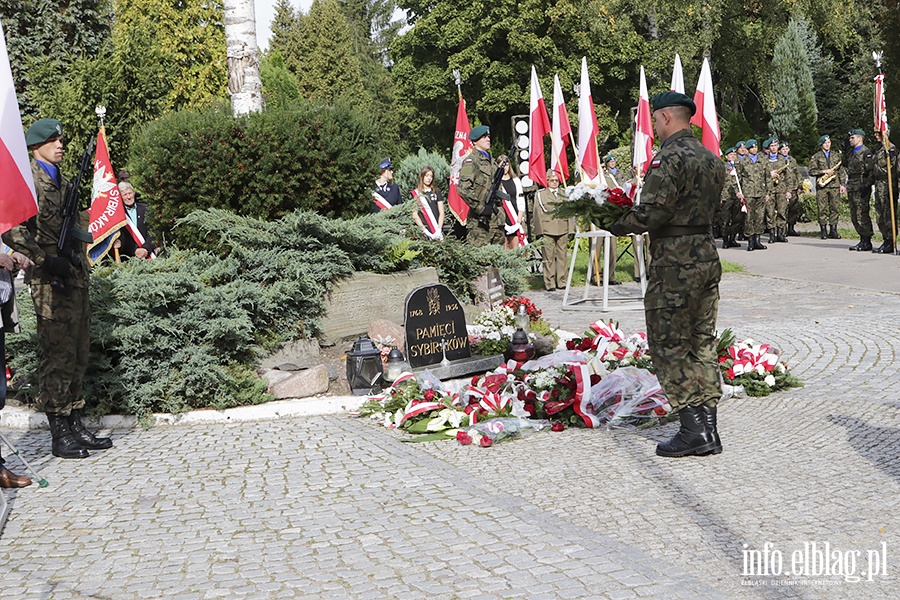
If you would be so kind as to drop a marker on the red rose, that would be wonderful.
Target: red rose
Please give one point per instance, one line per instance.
(486, 442)
(595, 379)
(530, 396)
(530, 409)
(554, 393)
(429, 395)
(558, 426)
(463, 438)
(570, 344)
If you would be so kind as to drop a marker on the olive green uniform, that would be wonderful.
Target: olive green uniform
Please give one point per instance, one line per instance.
(730, 209)
(678, 202)
(555, 234)
(859, 167)
(882, 201)
(756, 183)
(63, 312)
(475, 178)
(828, 196)
(784, 183)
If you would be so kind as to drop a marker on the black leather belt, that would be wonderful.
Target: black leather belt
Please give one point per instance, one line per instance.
(677, 230)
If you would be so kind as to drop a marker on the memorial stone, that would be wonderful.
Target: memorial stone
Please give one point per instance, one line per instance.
(435, 322)
(489, 292)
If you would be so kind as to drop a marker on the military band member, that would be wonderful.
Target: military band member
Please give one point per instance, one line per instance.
(795, 206)
(827, 164)
(678, 200)
(756, 187)
(860, 172)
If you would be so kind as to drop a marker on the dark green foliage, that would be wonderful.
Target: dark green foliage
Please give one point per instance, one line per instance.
(794, 112)
(304, 156)
(279, 85)
(407, 174)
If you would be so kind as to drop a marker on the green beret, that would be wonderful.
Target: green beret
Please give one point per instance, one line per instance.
(751, 143)
(730, 150)
(479, 132)
(41, 131)
(858, 132)
(824, 139)
(770, 141)
(609, 158)
(667, 99)
(783, 145)
(740, 145)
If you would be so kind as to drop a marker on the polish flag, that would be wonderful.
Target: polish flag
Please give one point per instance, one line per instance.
(107, 211)
(461, 147)
(881, 123)
(562, 131)
(588, 130)
(540, 126)
(677, 77)
(706, 118)
(643, 131)
(18, 200)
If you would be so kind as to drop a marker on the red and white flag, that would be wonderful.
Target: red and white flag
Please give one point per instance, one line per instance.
(107, 211)
(540, 127)
(643, 131)
(677, 77)
(461, 147)
(705, 117)
(560, 134)
(588, 130)
(18, 201)
(881, 123)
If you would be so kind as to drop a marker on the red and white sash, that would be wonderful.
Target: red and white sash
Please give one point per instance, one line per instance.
(430, 219)
(380, 201)
(513, 216)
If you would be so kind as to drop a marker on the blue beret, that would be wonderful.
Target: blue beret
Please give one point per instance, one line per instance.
(823, 139)
(479, 132)
(41, 131)
(385, 164)
(667, 99)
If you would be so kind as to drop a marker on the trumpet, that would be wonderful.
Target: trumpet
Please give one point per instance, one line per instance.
(778, 171)
(826, 179)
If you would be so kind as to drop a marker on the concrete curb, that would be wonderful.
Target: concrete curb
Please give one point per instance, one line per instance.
(25, 418)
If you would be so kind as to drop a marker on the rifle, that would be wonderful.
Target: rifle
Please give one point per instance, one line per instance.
(484, 219)
(70, 216)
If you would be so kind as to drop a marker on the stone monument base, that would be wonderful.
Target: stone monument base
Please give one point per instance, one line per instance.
(473, 365)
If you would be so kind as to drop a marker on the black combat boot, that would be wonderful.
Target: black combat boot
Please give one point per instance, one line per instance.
(750, 245)
(709, 415)
(733, 242)
(64, 444)
(84, 437)
(864, 245)
(758, 244)
(791, 231)
(772, 236)
(779, 235)
(692, 439)
(824, 234)
(833, 233)
(886, 248)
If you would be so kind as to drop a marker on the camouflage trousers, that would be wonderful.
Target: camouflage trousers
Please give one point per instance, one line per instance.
(756, 215)
(860, 210)
(828, 201)
(781, 209)
(681, 305)
(794, 209)
(64, 340)
(883, 208)
(478, 236)
(730, 215)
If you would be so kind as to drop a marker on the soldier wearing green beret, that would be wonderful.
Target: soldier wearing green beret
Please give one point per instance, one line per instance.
(882, 197)
(730, 210)
(793, 182)
(483, 226)
(678, 201)
(860, 165)
(756, 192)
(59, 289)
(828, 169)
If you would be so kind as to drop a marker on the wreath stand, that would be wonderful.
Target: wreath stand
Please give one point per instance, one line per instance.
(595, 235)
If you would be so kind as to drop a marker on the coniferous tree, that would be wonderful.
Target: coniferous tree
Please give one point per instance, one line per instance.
(794, 114)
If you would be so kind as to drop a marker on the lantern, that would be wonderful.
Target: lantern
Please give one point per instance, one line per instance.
(364, 367)
(396, 365)
(521, 349)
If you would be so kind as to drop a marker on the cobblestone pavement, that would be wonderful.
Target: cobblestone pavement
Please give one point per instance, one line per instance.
(335, 507)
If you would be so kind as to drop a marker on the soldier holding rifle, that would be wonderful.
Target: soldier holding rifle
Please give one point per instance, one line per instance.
(59, 288)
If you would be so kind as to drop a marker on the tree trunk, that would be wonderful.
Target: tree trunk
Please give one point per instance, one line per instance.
(242, 53)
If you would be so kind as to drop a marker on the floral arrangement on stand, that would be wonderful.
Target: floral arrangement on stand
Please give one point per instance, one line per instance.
(756, 367)
(596, 204)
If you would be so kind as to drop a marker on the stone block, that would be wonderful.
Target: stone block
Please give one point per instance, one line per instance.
(357, 299)
(384, 329)
(297, 384)
(298, 354)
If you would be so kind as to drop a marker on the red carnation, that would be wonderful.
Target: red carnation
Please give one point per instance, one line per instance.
(530, 409)
(595, 379)
(463, 438)
(558, 426)
(429, 395)
(570, 344)
(486, 442)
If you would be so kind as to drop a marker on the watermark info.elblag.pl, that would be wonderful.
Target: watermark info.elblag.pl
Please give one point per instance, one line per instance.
(812, 563)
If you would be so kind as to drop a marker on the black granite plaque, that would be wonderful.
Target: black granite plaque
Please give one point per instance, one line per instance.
(434, 318)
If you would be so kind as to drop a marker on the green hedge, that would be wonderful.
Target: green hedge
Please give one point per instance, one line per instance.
(266, 165)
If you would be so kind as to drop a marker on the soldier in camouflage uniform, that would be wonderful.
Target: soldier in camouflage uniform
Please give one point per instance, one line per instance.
(795, 207)
(680, 194)
(756, 186)
(859, 163)
(783, 180)
(828, 197)
(882, 195)
(730, 209)
(475, 178)
(59, 288)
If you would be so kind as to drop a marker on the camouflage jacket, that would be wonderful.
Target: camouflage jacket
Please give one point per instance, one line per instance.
(788, 176)
(859, 166)
(756, 178)
(682, 189)
(38, 236)
(731, 188)
(475, 177)
(880, 163)
(819, 163)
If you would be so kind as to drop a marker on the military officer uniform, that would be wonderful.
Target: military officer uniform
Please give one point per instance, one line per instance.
(483, 227)
(678, 201)
(555, 234)
(860, 168)
(882, 197)
(828, 196)
(59, 289)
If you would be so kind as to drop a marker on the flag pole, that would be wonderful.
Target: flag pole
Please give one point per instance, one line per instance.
(885, 139)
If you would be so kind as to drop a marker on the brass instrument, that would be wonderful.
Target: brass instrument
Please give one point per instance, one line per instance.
(778, 171)
(824, 180)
